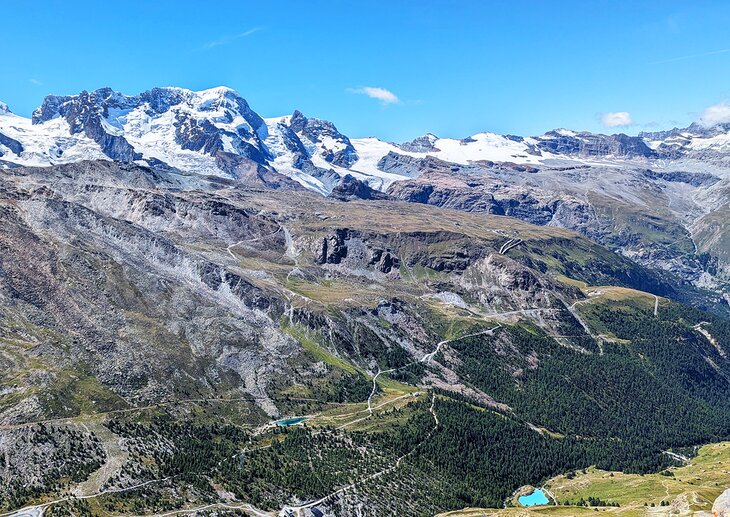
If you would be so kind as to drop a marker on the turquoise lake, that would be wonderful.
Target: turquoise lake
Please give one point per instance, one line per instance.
(290, 421)
(535, 498)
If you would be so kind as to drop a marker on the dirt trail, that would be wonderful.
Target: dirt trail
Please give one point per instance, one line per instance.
(229, 248)
(512, 243)
(428, 357)
(91, 416)
(212, 506)
(425, 359)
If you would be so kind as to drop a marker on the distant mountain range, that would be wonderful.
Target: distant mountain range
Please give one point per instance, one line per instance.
(216, 132)
(656, 197)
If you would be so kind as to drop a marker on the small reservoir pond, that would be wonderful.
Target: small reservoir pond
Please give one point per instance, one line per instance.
(536, 498)
(290, 421)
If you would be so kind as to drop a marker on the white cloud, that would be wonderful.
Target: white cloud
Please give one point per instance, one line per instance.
(716, 114)
(35, 82)
(225, 40)
(617, 119)
(374, 92)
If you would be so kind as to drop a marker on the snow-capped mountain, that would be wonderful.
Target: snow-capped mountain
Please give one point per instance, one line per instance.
(211, 132)
(216, 132)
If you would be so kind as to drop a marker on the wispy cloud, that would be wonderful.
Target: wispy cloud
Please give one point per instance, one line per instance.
(715, 114)
(617, 119)
(225, 40)
(691, 56)
(36, 82)
(375, 92)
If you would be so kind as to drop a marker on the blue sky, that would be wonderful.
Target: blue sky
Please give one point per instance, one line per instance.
(450, 67)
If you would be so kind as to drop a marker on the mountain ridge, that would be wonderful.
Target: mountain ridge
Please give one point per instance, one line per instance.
(672, 185)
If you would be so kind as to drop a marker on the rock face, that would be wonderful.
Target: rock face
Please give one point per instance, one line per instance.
(721, 507)
(12, 145)
(250, 172)
(322, 138)
(351, 188)
(484, 188)
(589, 144)
(333, 249)
(694, 179)
(422, 144)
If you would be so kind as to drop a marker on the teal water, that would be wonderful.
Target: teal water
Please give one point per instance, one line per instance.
(290, 421)
(535, 498)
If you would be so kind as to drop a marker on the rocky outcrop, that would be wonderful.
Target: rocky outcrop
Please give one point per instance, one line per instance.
(412, 167)
(333, 249)
(721, 506)
(422, 144)
(350, 188)
(472, 193)
(324, 139)
(250, 172)
(356, 252)
(384, 261)
(695, 179)
(13, 145)
(590, 144)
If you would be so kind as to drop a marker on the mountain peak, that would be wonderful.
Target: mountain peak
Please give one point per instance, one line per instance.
(4, 108)
(54, 106)
(217, 93)
(219, 90)
(422, 144)
(323, 139)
